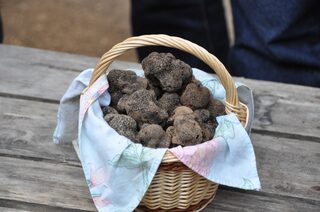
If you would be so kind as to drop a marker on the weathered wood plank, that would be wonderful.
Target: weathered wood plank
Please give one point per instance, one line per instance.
(18, 206)
(35, 73)
(287, 117)
(62, 186)
(2, 209)
(286, 166)
(53, 184)
(44, 75)
(26, 129)
(251, 201)
(51, 59)
(33, 58)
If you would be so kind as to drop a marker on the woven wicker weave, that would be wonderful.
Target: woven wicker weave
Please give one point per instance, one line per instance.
(175, 187)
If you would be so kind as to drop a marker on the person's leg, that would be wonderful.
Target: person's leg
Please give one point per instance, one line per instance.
(277, 41)
(200, 21)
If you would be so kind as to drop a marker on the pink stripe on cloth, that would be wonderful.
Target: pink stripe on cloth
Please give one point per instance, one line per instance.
(93, 93)
(199, 157)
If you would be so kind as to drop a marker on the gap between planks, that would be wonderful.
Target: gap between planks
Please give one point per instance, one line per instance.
(49, 73)
(7, 205)
(38, 178)
(254, 130)
(286, 166)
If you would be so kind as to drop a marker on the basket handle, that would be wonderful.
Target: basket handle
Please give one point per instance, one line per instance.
(232, 100)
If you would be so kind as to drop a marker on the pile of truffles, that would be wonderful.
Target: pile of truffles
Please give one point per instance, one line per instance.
(167, 108)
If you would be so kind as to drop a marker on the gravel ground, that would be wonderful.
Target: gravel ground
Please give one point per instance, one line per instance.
(89, 27)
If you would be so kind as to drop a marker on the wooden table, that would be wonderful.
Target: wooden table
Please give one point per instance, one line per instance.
(36, 175)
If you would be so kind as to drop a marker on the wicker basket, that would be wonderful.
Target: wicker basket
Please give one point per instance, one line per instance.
(175, 187)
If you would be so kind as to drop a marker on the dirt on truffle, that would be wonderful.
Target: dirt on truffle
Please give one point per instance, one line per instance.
(195, 97)
(168, 108)
(169, 101)
(109, 110)
(164, 70)
(187, 131)
(126, 82)
(123, 124)
(152, 135)
(142, 107)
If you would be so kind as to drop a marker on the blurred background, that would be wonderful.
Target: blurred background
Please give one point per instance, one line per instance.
(88, 27)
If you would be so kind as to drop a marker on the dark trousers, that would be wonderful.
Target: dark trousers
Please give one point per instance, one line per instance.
(195, 20)
(274, 40)
(277, 41)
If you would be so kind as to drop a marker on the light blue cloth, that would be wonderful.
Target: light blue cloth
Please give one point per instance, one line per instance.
(118, 171)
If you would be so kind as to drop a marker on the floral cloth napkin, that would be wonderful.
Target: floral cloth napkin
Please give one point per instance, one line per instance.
(118, 172)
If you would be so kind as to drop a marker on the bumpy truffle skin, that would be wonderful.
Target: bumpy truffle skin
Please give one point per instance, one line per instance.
(206, 122)
(186, 131)
(142, 107)
(109, 110)
(149, 101)
(164, 70)
(120, 79)
(123, 124)
(172, 135)
(126, 82)
(216, 108)
(115, 97)
(157, 90)
(169, 101)
(202, 115)
(207, 131)
(153, 136)
(180, 111)
(195, 97)
(156, 62)
(142, 82)
(121, 106)
(195, 81)
(185, 70)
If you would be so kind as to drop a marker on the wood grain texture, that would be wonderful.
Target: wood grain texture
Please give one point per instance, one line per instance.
(286, 110)
(252, 201)
(26, 129)
(40, 184)
(286, 166)
(19, 206)
(41, 74)
(2, 209)
(37, 175)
